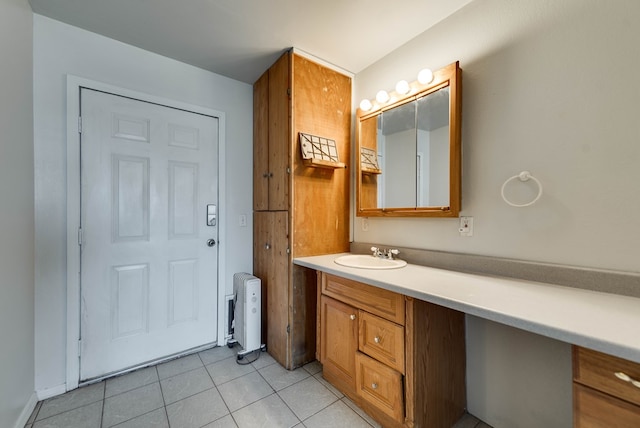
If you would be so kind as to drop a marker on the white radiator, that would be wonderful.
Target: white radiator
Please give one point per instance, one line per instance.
(247, 314)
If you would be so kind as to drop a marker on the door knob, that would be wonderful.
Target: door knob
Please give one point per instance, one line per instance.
(211, 242)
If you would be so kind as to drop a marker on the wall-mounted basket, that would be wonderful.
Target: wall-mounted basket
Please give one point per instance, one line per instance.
(319, 152)
(369, 161)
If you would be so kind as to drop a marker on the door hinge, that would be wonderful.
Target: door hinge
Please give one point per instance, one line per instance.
(289, 91)
(288, 250)
(80, 124)
(288, 329)
(79, 347)
(80, 236)
(288, 170)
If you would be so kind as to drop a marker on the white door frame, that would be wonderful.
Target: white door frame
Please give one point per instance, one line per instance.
(74, 84)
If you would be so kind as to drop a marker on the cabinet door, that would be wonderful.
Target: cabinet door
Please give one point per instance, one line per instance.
(261, 143)
(272, 138)
(279, 133)
(339, 342)
(271, 265)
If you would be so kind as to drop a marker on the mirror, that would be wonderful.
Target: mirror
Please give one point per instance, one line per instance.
(410, 152)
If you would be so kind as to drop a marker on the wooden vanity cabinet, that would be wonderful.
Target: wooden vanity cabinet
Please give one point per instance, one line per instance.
(400, 359)
(606, 390)
(298, 210)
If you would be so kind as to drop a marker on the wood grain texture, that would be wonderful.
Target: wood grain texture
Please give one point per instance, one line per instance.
(279, 133)
(593, 409)
(433, 393)
(378, 301)
(261, 143)
(597, 370)
(367, 191)
(380, 385)
(339, 342)
(438, 391)
(313, 203)
(381, 339)
(303, 315)
(321, 106)
(271, 265)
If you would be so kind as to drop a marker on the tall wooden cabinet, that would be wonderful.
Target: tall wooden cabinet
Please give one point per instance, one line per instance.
(298, 210)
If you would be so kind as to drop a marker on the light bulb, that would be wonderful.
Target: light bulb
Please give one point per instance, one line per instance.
(402, 87)
(425, 76)
(365, 105)
(382, 97)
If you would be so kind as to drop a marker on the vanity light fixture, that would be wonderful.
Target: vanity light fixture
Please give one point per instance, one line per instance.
(382, 96)
(402, 87)
(365, 105)
(425, 76)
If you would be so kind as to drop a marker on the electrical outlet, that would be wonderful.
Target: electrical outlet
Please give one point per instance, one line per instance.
(365, 224)
(242, 220)
(466, 226)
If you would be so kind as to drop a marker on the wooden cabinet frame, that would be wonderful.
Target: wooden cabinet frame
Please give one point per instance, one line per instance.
(298, 95)
(433, 383)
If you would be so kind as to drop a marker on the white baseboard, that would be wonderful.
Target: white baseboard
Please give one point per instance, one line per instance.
(26, 412)
(43, 394)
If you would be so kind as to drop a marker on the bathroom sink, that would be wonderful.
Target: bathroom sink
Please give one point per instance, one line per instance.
(365, 261)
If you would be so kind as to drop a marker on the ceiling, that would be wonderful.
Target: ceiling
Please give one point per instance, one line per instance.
(240, 39)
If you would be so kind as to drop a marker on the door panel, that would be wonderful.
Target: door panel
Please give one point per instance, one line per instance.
(271, 265)
(279, 134)
(148, 279)
(339, 342)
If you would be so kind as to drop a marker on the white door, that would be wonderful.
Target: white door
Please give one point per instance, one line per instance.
(149, 263)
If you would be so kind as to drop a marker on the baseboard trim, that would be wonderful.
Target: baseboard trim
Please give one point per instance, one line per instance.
(27, 411)
(45, 393)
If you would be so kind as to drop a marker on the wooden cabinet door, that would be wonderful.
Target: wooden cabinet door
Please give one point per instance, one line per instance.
(339, 342)
(271, 138)
(261, 143)
(279, 133)
(271, 265)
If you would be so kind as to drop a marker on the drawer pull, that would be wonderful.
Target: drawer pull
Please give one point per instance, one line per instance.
(625, 377)
(377, 339)
(353, 317)
(374, 386)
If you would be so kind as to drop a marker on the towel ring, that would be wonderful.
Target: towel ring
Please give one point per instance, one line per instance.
(523, 176)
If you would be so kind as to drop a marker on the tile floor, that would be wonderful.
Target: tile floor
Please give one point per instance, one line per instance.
(209, 389)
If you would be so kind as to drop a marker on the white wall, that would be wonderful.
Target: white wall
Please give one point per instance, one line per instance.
(550, 87)
(16, 213)
(60, 49)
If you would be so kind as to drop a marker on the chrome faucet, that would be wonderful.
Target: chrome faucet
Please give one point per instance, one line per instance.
(384, 253)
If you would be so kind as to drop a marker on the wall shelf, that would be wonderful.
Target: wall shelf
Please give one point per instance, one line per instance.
(319, 152)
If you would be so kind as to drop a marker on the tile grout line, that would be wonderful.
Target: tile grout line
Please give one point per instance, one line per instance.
(216, 388)
(104, 393)
(164, 403)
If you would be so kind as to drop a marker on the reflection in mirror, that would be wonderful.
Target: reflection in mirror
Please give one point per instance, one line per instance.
(416, 132)
(410, 153)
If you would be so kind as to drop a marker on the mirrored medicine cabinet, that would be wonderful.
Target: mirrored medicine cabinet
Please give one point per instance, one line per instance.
(409, 151)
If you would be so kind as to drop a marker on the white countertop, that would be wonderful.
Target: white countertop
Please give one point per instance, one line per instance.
(605, 322)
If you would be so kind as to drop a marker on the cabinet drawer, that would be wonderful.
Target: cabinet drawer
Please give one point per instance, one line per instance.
(378, 301)
(594, 409)
(600, 371)
(379, 385)
(382, 340)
